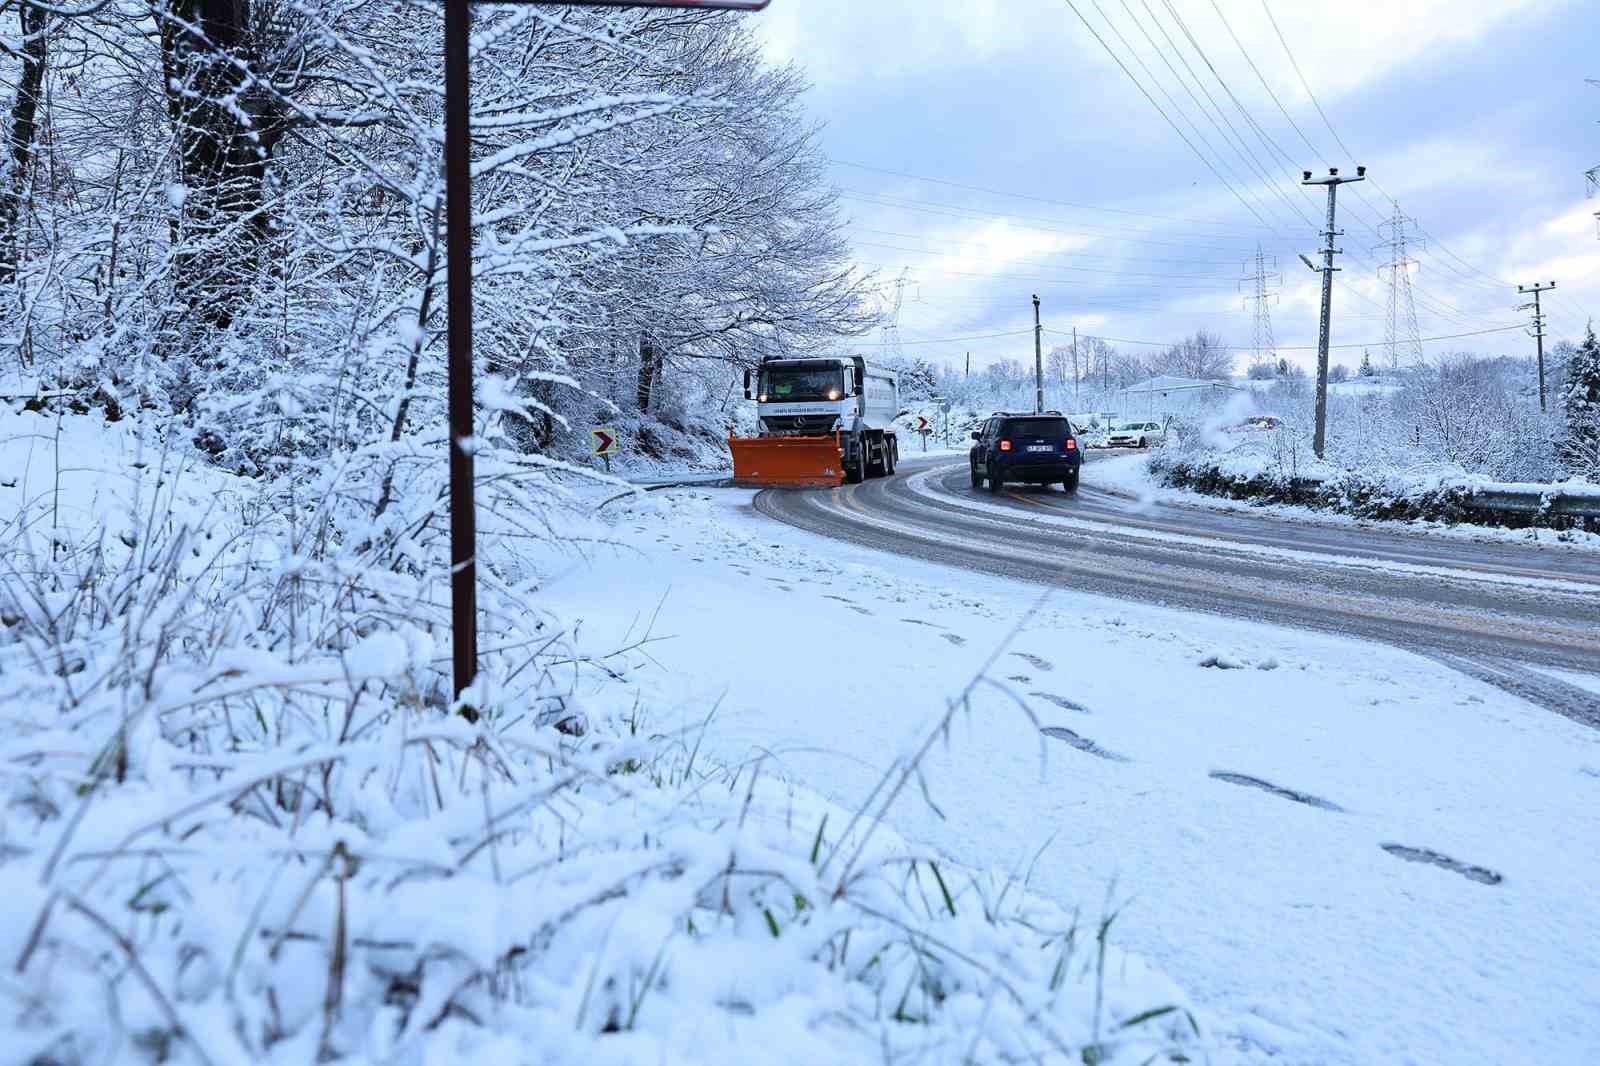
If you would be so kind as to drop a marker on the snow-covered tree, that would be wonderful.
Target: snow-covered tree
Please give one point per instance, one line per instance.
(1580, 441)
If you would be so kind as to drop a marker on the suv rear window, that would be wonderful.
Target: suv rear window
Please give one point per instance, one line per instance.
(1036, 427)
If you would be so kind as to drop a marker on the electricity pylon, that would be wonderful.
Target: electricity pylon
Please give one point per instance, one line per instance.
(1260, 293)
(891, 325)
(1402, 301)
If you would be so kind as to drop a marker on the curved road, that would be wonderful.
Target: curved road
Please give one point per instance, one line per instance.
(1495, 611)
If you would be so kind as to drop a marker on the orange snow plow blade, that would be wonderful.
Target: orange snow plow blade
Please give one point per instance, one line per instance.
(798, 462)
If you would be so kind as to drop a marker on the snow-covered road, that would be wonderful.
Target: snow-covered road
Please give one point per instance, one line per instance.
(1346, 851)
(1494, 609)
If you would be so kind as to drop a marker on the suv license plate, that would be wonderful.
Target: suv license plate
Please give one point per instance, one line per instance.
(1041, 447)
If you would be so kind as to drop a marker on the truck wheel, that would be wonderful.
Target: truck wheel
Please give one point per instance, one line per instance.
(891, 457)
(855, 473)
(1071, 484)
(996, 483)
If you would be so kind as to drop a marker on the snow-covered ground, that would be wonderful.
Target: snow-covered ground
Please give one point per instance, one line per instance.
(1130, 475)
(1244, 798)
(226, 837)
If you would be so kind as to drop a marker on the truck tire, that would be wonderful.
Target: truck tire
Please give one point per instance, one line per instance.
(996, 484)
(855, 473)
(891, 455)
(1070, 485)
(879, 466)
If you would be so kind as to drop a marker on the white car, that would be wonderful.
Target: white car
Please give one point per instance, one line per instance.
(1136, 435)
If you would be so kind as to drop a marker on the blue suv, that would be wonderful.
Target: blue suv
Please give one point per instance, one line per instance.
(1041, 449)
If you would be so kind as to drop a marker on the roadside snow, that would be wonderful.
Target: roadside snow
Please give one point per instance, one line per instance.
(1163, 784)
(1130, 475)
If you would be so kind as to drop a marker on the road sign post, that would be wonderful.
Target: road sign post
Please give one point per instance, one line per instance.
(458, 278)
(924, 428)
(604, 442)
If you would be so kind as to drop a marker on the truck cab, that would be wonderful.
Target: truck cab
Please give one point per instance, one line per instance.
(831, 396)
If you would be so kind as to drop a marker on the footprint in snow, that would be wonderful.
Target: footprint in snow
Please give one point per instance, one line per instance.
(1034, 661)
(919, 622)
(1061, 701)
(1283, 793)
(1481, 874)
(1083, 744)
(859, 609)
(959, 642)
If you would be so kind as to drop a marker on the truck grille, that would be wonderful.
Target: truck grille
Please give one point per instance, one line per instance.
(799, 425)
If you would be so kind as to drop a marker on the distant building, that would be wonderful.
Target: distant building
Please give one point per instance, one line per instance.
(1165, 396)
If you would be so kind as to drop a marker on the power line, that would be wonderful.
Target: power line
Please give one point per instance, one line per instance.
(1035, 199)
(1102, 272)
(1066, 252)
(939, 207)
(1164, 115)
(1302, 347)
(938, 340)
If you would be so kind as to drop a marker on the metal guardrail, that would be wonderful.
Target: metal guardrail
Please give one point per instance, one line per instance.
(1524, 501)
(1552, 500)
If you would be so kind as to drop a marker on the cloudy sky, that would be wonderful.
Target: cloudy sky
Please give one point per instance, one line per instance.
(999, 149)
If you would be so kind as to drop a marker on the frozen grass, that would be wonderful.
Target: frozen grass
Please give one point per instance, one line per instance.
(244, 823)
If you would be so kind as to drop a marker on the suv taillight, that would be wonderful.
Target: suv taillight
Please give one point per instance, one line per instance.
(1072, 444)
(1005, 446)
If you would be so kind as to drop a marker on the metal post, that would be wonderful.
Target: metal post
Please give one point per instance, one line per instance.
(458, 279)
(458, 227)
(1332, 181)
(1538, 328)
(1038, 360)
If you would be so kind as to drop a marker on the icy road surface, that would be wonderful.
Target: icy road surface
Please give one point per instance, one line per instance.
(1347, 851)
(1491, 610)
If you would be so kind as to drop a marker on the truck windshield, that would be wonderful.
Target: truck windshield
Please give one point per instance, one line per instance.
(793, 384)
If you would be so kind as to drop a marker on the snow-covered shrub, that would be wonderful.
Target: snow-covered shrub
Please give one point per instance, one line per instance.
(242, 821)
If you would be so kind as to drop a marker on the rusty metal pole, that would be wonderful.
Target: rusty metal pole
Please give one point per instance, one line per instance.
(458, 278)
(458, 226)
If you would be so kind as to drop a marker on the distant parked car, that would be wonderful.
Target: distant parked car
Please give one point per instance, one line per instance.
(1136, 435)
(1255, 424)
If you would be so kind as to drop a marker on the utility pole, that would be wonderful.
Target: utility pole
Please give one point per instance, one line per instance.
(1038, 359)
(969, 366)
(1399, 267)
(1332, 181)
(1538, 326)
(1075, 376)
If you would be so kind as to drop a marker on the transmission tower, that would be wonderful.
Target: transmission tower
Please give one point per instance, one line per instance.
(892, 348)
(1592, 175)
(1398, 335)
(1257, 287)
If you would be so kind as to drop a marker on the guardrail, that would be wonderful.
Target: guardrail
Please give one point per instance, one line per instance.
(1580, 504)
(1517, 499)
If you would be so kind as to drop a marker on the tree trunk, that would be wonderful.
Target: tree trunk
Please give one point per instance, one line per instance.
(225, 135)
(649, 368)
(24, 123)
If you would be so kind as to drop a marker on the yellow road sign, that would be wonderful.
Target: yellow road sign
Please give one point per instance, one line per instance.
(605, 441)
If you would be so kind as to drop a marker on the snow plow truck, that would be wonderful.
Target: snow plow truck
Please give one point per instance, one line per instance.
(824, 421)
